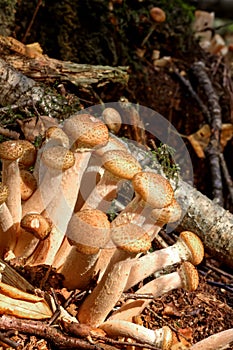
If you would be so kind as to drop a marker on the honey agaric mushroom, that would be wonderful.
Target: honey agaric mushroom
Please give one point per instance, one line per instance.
(105, 295)
(119, 166)
(35, 228)
(185, 277)
(57, 160)
(28, 157)
(85, 133)
(112, 118)
(94, 169)
(218, 341)
(87, 232)
(187, 248)
(54, 136)
(10, 153)
(6, 222)
(152, 191)
(28, 184)
(160, 338)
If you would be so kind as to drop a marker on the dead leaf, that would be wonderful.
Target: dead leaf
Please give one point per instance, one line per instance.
(171, 310)
(34, 127)
(200, 139)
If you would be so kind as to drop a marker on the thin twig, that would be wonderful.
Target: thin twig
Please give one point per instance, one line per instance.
(32, 21)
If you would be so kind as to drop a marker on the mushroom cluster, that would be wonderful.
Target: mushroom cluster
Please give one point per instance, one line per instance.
(56, 215)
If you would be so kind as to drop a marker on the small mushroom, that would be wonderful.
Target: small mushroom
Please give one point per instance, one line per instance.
(152, 191)
(112, 118)
(87, 232)
(119, 166)
(105, 295)
(160, 338)
(185, 277)
(35, 228)
(157, 14)
(28, 157)
(187, 248)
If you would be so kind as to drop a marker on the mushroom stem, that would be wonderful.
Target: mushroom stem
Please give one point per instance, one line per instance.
(160, 338)
(185, 277)
(187, 248)
(60, 210)
(105, 295)
(218, 341)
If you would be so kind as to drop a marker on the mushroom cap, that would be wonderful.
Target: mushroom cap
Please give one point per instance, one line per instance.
(130, 238)
(11, 150)
(36, 224)
(28, 184)
(58, 157)
(88, 230)
(121, 164)
(57, 135)
(194, 245)
(85, 131)
(189, 276)
(154, 189)
(168, 214)
(3, 193)
(28, 157)
(157, 14)
(112, 119)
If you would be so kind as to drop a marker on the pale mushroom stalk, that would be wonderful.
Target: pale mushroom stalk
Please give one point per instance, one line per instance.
(88, 230)
(160, 338)
(10, 152)
(105, 295)
(187, 248)
(185, 277)
(218, 341)
(58, 160)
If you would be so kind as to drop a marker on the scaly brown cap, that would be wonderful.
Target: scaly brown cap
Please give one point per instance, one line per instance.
(28, 157)
(85, 131)
(3, 193)
(58, 157)
(154, 189)
(121, 164)
(130, 238)
(36, 224)
(189, 276)
(11, 150)
(194, 245)
(88, 230)
(28, 184)
(112, 118)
